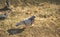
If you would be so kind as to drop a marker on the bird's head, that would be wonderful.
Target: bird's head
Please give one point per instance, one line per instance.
(32, 17)
(5, 14)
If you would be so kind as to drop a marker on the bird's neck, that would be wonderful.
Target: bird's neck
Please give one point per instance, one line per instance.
(31, 19)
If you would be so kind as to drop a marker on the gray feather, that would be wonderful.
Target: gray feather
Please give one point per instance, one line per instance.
(3, 16)
(15, 31)
(19, 23)
(27, 21)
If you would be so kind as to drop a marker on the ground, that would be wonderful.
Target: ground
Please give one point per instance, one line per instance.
(46, 23)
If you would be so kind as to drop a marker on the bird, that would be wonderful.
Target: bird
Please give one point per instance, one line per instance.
(3, 16)
(7, 3)
(6, 7)
(26, 21)
(15, 31)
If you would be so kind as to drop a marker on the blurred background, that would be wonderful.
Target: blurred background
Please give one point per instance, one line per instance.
(47, 21)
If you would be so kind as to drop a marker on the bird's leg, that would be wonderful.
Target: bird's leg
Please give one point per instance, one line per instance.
(25, 26)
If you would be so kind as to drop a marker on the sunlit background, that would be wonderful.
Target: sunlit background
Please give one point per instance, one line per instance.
(46, 23)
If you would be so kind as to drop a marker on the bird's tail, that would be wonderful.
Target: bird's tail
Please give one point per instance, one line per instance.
(19, 23)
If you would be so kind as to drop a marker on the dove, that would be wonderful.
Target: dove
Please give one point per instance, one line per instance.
(3, 16)
(6, 7)
(26, 21)
(7, 3)
(15, 31)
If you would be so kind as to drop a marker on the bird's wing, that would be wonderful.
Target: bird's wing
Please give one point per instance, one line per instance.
(28, 22)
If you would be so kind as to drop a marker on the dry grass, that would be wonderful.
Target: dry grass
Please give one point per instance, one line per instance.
(46, 24)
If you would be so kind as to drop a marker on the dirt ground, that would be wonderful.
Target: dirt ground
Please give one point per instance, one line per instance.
(46, 24)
